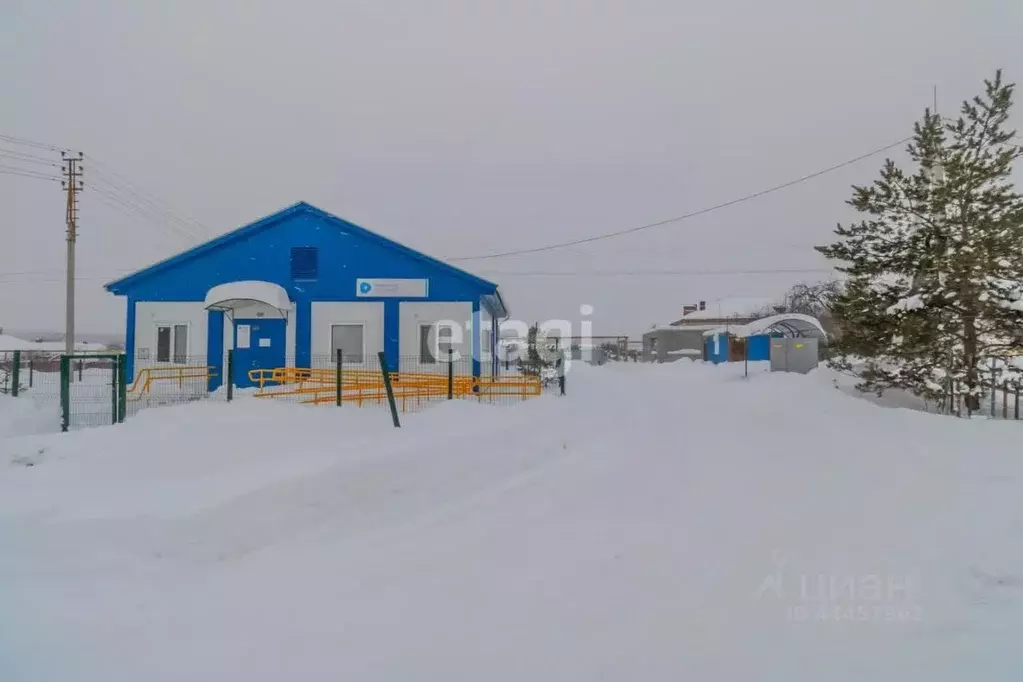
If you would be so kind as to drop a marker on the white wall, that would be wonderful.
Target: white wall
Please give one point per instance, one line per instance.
(149, 316)
(412, 315)
(486, 321)
(325, 314)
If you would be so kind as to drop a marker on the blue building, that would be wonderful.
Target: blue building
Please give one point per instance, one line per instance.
(752, 341)
(295, 287)
(723, 347)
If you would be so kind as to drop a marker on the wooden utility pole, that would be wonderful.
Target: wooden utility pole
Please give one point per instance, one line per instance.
(72, 184)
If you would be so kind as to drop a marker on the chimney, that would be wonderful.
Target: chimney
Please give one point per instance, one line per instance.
(703, 305)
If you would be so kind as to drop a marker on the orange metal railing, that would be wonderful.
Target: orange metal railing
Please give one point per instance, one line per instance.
(362, 386)
(147, 376)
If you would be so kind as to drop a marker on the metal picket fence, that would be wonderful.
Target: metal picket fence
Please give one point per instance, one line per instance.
(93, 389)
(84, 387)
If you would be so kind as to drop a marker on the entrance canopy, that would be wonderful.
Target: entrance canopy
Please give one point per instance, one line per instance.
(228, 297)
(786, 324)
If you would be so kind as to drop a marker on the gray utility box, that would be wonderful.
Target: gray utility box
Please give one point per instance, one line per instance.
(793, 355)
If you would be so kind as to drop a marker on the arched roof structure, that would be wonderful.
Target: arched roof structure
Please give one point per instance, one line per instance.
(786, 324)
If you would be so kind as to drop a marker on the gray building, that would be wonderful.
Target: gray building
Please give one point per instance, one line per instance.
(668, 344)
(684, 337)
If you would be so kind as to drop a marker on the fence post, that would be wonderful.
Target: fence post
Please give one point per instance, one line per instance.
(65, 392)
(16, 373)
(122, 387)
(1016, 411)
(113, 391)
(1005, 399)
(230, 375)
(31, 369)
(390, 391)
(451, 373)
(338, 378)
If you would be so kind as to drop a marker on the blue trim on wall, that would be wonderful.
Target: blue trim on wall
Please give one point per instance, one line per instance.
(129, 340)
(215, 347)
(392, 330)
(476, 338)
(303, 321)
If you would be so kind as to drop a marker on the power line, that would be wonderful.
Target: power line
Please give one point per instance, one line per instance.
(566, 273)
(16, 155)
(27, 173)
(11, 139)
(702, 211)
(149, 198)
(91, 278)
(131, 195)
(128, 206)
(48, 271)
(654, 273)
(145, 202)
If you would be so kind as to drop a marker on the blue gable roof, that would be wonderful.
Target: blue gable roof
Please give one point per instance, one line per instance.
(126, 285)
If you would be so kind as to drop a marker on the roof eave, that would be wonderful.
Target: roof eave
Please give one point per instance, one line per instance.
(120, 286)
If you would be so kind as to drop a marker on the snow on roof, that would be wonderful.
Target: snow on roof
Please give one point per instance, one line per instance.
(733, 307)
(235, 294)
(681, 328)
(8, 342)
(805, 325)
(11, 343)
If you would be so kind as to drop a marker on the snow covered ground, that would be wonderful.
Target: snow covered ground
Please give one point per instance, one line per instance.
(662, 522)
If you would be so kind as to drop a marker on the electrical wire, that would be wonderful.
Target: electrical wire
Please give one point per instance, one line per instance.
(27, 173)
(653, 273)
(126, 185)
(128, 193)
(144, 205)
(11, 139)
(53, 281)
(702, 211)
(15, 155)
(129, 207)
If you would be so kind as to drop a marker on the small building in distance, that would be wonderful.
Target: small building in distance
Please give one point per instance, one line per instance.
(753, 341)
(683, 338)
(294, 288)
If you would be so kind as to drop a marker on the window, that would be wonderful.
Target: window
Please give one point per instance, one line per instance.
(305, 262)
(163, 344)
(348, 338)
(172, 343)
(427, 336)
(180, 344)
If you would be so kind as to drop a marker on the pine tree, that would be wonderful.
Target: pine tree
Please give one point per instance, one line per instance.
(537, 355)
(935, 272)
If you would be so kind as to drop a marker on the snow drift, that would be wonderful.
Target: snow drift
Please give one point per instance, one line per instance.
(661, 522)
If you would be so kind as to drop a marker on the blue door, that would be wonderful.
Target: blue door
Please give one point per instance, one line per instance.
(258, 344)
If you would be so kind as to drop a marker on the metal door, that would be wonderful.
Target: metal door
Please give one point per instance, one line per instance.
(258, 344)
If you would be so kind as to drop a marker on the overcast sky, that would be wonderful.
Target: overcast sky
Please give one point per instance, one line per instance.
(463, 127)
